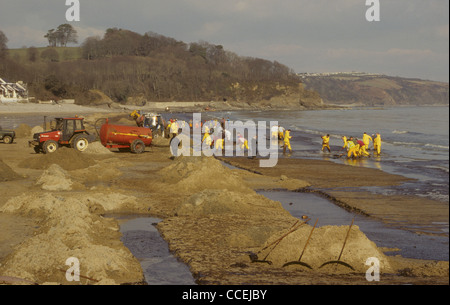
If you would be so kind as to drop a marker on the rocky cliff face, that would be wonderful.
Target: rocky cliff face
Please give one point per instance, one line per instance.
(377, 90)
(275, 96)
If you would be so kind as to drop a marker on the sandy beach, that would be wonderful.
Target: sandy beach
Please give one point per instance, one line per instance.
(58, 206)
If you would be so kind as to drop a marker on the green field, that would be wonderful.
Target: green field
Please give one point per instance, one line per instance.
(65, 53)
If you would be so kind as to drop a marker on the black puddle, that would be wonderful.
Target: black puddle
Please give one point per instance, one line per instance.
(160, 267)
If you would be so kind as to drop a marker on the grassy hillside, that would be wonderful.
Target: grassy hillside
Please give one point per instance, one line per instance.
(64, 53)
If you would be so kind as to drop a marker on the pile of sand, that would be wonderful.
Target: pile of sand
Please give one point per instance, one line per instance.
(68, 229)
(325, 245)
(43, 204)
(96, 148)
(23, 131)
(36, 129)
(160, 141)
(55, 179)
(67, 158)
(210, 202)
(126, 122)
(6, 173)
(195, 174)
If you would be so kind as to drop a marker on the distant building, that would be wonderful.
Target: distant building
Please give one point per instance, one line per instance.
(13, 92)
(325, 74)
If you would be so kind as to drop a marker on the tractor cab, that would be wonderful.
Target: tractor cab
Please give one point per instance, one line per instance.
(68, 127)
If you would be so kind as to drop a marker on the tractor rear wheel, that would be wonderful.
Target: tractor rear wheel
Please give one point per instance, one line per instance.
(80, 143)
(137, 147)
(50, 146)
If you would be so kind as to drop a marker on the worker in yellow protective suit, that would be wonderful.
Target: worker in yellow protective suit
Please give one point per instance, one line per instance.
(281, 133)
(367, 139)
(352, 148)
(242, 141)
(344, 139)
(139, 119)
(326, 142)
(274, 132)
(362, 149)
(219, 143)
(377, 144)
(287, 141)
(174, 129)
(207, 139)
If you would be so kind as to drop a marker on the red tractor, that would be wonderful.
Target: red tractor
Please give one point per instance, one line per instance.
(68, 132)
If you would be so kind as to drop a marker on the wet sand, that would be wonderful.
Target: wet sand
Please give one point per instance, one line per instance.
(340, 184)
(213, 219)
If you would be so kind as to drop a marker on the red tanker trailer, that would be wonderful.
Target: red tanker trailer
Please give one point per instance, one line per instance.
(125, 137)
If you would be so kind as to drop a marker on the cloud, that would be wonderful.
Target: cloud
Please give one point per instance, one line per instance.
(312, 34)
(85, 32)
(20, 36)
(210, 29)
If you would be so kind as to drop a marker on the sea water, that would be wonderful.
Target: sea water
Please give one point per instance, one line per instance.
(415, 141)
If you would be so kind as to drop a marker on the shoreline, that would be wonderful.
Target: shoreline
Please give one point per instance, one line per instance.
(33, 108)
(185, 193)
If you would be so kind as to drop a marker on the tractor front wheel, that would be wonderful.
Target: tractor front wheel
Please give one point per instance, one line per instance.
(50, 146)
(8, 140)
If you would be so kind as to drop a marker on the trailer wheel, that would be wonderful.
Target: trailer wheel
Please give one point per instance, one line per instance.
(8, 140)
(137, 147)
(49, 147)
(80, 143)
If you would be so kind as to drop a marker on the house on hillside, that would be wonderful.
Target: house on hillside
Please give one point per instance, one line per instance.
(13, 92)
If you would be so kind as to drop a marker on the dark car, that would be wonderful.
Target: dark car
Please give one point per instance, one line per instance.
(7, 136)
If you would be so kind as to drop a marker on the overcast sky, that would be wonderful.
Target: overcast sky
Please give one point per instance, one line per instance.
(410, 40)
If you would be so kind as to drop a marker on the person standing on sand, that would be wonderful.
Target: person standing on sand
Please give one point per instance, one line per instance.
(287, 141)
(174, 129)
(274, 132)
(219, 143)
(242, 142)
(280, 133)
(326, 142)
(207, 139)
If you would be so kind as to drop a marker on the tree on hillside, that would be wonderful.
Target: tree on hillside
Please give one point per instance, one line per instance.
(91, 48)
(3, 46)
(32, 54)
(67, 34)
(64, 34)
(50, 55)
(51, 37)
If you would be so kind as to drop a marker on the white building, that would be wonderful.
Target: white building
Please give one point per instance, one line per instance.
(12, 92)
